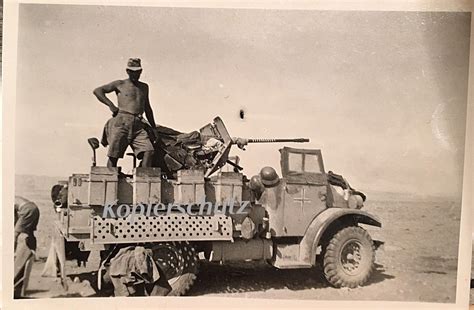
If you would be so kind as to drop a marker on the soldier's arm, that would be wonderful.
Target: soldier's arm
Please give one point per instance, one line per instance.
(148, 110)
(100, 92)
(19, 224)
(17, 233)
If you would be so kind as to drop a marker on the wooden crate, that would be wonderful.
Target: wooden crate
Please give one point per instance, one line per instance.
(228, 187)
(78, 189)
(189, 187)
(146, 185)
(103, 186)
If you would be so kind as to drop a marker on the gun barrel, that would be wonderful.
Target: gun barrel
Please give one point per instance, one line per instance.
(297, 140)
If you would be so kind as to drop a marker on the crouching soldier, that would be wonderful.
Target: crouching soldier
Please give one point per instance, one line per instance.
(26, 219)
(134, 273)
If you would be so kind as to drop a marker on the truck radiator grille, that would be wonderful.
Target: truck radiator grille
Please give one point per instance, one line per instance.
(173, 227)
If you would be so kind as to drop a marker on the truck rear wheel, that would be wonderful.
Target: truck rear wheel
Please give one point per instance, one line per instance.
(179, 262)
(349, 257)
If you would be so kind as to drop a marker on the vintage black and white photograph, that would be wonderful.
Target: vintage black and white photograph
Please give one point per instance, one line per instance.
(241, 153)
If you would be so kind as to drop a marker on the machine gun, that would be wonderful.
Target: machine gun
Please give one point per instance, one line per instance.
(242, 142)
(207, 149)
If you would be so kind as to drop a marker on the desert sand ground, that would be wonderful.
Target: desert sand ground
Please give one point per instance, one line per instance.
(417, 262)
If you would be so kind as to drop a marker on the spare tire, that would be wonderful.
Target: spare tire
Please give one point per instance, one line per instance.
(179, 262)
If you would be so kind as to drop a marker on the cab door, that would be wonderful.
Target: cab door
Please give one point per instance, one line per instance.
(305, 191)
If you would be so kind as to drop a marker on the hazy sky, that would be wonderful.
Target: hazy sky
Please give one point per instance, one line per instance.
(383, 94)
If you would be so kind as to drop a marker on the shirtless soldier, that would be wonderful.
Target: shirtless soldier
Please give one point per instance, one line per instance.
(126, 127)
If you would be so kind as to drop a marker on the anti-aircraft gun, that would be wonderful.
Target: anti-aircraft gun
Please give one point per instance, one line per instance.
(207, 149)
(305, 217)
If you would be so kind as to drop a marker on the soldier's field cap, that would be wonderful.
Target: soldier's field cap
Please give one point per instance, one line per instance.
(134, 64)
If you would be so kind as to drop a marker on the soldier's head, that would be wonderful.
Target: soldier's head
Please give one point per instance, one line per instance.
(19, 201)
(134, 69)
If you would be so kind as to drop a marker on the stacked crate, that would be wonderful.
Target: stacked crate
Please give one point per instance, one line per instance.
(226, 187)
(146, 185)
(103, 186)
(189, 187)
(78, 189)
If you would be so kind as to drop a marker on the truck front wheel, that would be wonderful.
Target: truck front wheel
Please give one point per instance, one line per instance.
(179, 262)
(349, 257)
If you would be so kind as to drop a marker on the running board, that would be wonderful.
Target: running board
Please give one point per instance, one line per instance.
(287, 256)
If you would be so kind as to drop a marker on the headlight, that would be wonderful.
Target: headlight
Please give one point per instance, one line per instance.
(355, 202)
(59, 195)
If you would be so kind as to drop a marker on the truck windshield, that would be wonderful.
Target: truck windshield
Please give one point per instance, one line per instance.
(311, 163)
(300, 162)
(295, 162)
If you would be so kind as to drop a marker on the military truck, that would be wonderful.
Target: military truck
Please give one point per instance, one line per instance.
(305, 217)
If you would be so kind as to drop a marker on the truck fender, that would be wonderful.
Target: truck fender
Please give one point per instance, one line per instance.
(322, 221)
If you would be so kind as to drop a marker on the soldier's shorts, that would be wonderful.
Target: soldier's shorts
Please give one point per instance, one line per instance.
(127, 129)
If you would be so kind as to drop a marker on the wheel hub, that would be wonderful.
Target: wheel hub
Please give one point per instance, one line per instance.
(351, 257)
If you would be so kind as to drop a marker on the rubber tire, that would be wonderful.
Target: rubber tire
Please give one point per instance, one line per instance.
(189, 265)
(332, 266)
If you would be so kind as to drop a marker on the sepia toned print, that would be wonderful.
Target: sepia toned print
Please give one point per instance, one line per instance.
(342, 133)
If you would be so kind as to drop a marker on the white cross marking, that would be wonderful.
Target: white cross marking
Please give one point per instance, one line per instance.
(303, 198)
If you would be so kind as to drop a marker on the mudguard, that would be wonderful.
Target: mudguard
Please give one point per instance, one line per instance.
(316, 229)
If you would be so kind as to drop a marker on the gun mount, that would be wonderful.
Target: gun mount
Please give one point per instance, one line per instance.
(207, 149)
